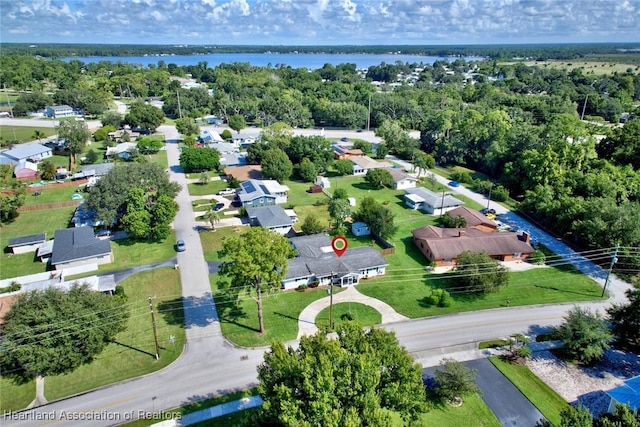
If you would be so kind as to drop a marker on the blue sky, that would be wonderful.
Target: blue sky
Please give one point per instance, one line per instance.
(319, 22)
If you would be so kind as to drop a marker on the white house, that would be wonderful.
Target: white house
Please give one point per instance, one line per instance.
(401, 179)
(317, 263)
(56, 111)
(361, 164)
(255, 192)
(430, 202)
(33, 152)
(122, 150)
(270, 217)
(26, 244)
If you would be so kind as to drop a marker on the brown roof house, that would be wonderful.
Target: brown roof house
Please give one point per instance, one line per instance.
(442, 246)
(344, 153)
(474, 219)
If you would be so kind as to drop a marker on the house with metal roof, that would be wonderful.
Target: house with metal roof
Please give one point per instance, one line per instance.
(266, 192)
(271, 217)
(442, 246)
(317, 263)
(56, 111)
(362, 164)
(626, 394)
(79, 246)
(26, 244)
(430, 202)
(21, 153)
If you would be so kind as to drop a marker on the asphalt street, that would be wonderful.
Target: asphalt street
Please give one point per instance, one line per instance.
(210, 365)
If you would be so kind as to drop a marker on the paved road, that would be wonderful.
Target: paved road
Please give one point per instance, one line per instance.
(210, 365)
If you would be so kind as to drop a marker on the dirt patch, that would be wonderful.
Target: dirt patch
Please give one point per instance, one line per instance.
(585, 385)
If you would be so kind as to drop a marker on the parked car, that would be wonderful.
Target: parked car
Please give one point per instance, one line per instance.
(103, 234)
(180, 246)
(218, 206)
(227, 192)
(454, 183)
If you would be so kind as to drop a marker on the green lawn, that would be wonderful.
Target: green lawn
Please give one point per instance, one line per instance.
(46, 221)
(281, 310)
(538, 286)
(133, 353)
(16, 396)
(472, 412)
(23, 133)
(346, 311)
(50, 195)
(211, 187)
(548, 402)
(130, 253)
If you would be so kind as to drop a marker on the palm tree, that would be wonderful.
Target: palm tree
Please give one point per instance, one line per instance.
(212, 217)
(38, 134)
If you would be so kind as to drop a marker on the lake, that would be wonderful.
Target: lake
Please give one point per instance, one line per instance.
(295, 60)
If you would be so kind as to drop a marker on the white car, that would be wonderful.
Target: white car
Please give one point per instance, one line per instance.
(227, 192)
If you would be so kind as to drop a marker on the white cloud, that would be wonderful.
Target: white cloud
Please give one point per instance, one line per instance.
(322, 21)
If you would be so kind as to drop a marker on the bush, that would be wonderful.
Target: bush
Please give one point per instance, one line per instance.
(120, 292)
(302, 287)
(13, 287)
(537, 257)
(463, 176)
(226, 134)
(440, 298)
(499, 194)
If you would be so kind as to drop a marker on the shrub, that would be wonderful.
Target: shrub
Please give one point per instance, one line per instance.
(537, 257)
(120, 292)
(440, 298)
(13, 287)
(462, 176)
(499, 194)
(302, 287)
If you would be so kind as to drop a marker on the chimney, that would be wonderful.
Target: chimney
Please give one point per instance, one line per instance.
(525, 237)
(462, 233)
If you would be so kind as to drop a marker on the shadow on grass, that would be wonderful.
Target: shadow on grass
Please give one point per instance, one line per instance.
(135, 349)
(230, 311)
(566, 291)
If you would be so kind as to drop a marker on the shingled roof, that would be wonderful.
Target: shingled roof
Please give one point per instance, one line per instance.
(472, 217)
(75, 244)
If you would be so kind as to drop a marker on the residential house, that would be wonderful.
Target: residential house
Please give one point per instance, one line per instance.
(317, 263)
(360, 229)
(626, 394)
(33, 152)
(474, 219)
(362, 164)
(401, 179)
(253, 193)
(442, 246)
(26, 244)
(224, 147)
(26, 170)
(79, 246)
(120, 134)
(122, 150)
(322, 181)
(340, 152)
(270, 217)
(99, 169)
(233, 159)
(208, 136)
(430, 202)
(57, 111)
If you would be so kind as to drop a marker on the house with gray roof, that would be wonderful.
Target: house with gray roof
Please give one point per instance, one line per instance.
(98, 169)
(79, 246)
(430, 202)
(362, 164)
(254, 192)
(21, 153)
(26, 244)
(317, 263)
(401, 179)
(442, 246)
(271, 217)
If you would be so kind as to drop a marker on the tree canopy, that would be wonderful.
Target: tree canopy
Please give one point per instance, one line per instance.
(196, 159)
(477, 272)
(75, 134)
(379, 218)
(350, 380)
(625, 319)
(144, 116)
(586, 335)
(108, 196)
(258, 261)
(276, 164)
(55, 331)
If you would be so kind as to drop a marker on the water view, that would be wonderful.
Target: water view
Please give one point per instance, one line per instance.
(294, 60)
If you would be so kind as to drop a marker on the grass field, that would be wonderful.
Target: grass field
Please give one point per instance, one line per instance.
(587, 67)
(24, 133)
(548, 402)
(16, 396)
(28, 223)
(130, 253)
(346, 311)
(133, 352)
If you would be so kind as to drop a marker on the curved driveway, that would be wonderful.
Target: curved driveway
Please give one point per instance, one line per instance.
(210, 365)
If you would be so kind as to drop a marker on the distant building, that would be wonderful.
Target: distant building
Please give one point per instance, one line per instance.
(427, 201)
(57, 111)
(362, 164)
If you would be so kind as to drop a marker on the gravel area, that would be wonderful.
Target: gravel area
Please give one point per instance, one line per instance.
(585, 385)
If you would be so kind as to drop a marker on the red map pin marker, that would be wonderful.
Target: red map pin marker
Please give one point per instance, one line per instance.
(339, 245)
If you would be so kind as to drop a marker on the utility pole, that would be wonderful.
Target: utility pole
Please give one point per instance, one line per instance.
(369, 116)
(489, 198)
(179, 109)
(442, 205)
(155, 332)
(331, 302)
(614, 259)
(584, 107)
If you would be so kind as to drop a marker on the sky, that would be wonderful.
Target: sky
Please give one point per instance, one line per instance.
(319, 22)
